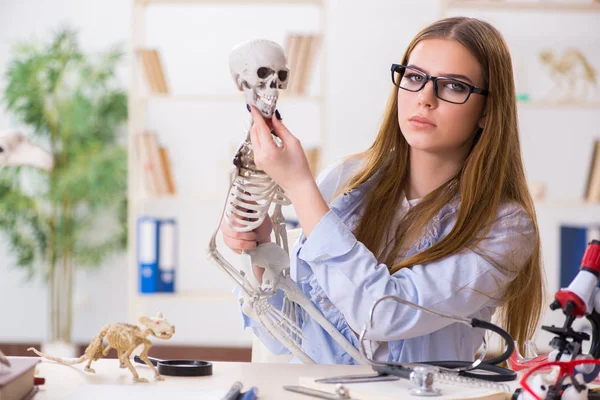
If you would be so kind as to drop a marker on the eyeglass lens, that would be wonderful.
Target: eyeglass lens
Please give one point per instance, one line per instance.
(447, 89)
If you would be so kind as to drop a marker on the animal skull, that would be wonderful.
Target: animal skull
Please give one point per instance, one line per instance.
(258, 68)
(15, 150)
(159, 326)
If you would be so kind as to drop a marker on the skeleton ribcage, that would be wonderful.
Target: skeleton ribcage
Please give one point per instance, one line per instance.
(251, 194)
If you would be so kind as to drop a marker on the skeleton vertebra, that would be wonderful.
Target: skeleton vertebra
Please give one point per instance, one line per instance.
(249, 198)
(124, 338)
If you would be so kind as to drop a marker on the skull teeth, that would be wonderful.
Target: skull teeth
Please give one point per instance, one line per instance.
(264, 106)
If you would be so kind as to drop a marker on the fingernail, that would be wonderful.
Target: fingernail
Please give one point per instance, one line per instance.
(248, 108)
(278, 115)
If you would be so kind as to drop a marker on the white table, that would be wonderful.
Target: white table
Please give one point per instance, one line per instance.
(65, 382)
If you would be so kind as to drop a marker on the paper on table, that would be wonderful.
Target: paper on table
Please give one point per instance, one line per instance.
(146, 391)
(394, 390)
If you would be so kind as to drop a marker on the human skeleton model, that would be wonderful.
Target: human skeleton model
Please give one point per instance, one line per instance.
(259, 69)
(124, 338)
(16, 151)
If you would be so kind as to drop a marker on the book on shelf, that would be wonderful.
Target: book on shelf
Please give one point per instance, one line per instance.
(167, 242)
(301, 52)
(166, 166)
(312, 155)
(592, 192)
(156, 167)
(153, 70)
(17, 382)
(574, 240)
(157, 254)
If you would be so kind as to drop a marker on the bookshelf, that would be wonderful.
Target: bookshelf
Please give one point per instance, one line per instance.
(203, 292)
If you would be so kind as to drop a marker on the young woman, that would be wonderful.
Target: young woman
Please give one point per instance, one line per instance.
(436, 211)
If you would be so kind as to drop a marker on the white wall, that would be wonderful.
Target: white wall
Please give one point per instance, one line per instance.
(362, 40)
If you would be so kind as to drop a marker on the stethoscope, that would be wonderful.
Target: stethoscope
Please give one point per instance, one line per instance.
(489, 369)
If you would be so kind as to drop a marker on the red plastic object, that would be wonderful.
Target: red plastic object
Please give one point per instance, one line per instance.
(566, 368)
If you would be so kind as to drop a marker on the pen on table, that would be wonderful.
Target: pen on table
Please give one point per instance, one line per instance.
(250, 394)
(234, 392)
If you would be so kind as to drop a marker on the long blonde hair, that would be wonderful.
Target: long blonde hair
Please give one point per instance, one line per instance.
(492, 174)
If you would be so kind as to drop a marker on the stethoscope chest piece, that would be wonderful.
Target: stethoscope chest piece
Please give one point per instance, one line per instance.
(423, 377)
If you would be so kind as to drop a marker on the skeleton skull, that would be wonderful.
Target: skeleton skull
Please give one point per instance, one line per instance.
(15, 150)
(258, 67)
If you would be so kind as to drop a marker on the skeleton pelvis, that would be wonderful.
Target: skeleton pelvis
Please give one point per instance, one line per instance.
(273, 259)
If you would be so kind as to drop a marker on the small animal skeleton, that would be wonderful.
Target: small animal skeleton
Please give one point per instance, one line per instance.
(571, 73)
(124, 338)
(259, 69)
(15, 150)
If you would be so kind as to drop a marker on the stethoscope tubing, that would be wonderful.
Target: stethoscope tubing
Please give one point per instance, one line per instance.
(462, 368)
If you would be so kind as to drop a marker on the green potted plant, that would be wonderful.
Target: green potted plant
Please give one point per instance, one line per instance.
(71, 104)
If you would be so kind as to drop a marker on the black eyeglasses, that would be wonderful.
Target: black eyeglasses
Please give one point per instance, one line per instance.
(447, 89)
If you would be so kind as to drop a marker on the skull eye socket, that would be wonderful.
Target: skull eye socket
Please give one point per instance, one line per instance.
(282, 75)
(263, 72)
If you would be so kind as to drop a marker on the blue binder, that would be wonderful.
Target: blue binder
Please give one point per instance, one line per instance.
(167, 255)
(573, 243)
(147, 234)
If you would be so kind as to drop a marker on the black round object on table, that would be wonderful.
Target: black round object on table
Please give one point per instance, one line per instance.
(179, 367)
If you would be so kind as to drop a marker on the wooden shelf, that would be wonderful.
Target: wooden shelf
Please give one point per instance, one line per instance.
(574, 204)
(189, 295)
(540, 5)
(231, 2)
(220, 98)
(186, 198)
(554, 104)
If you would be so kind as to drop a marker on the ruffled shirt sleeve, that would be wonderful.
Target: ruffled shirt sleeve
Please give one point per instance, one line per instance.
(460, 284)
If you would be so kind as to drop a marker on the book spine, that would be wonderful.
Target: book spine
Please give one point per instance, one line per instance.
(167, 170)
(167, 255)
(149, 70)
(159, 73)
(158, 173)
(147, 233)
(573, 243)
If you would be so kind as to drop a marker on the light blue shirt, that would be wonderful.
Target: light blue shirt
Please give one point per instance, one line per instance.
(343, 279)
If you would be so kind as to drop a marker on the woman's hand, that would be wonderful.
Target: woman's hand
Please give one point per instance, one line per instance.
(238, 241)
(286, 164)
